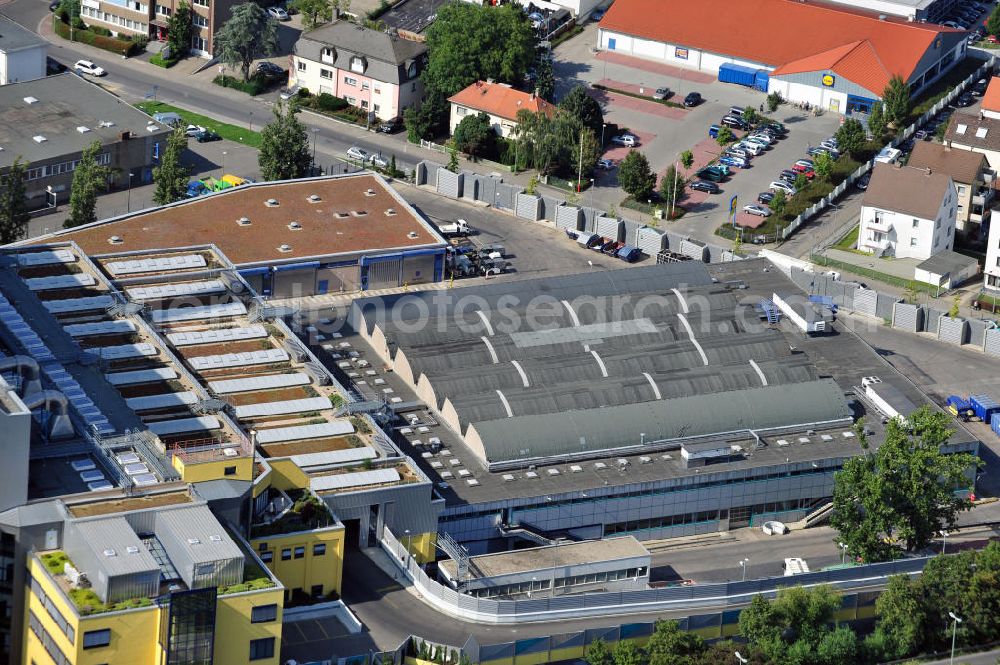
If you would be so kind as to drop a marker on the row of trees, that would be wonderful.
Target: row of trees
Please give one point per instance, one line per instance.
(799, 626)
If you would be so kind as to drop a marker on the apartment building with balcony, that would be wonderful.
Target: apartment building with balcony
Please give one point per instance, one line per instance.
(371, 70)
(973, 180)
(908, 212)
(150, 18)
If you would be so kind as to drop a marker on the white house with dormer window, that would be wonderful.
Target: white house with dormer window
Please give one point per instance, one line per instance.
(908, 212)
(977, 132)
(369, 69)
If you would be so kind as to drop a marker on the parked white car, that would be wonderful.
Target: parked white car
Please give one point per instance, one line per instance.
(380, 161)
(752, 148)
(354, 152)
(782, 185)
(278, 13)
(89, 68)
(627, 140)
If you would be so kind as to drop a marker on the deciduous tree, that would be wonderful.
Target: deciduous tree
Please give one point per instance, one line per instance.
(687, 159)
(179, 30)
(669, 645)
(899, 496)
(851, 137)
(993, 22)
(545, 84)
(584, 108)
(635, 176)
(671, 185)
(248, 34)
(779, 202)
(171, 176)
(14, 214)
(823, 165)
(284, 148)
(896, 101)
(314, 12)
(876, 121)
(89, 177)
(474, 135)
(598, 653)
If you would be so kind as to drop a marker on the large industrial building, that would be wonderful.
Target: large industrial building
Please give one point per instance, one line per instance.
(297, 238)
(653, 402)
(830, 56)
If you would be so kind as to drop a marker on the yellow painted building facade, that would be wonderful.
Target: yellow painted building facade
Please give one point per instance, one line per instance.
(308, 561)
(246, 624)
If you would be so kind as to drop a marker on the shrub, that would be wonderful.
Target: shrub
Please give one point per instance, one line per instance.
(158, 60)
(253, 87)
(84, 36)
(98, 30)
(327, 102)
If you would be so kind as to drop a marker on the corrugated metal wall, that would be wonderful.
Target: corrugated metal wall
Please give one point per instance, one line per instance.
(610, 228)
(953, 331)
(550, 206)
(992, 343)
(528, 207)
(292, 283)
(866, 302)
(907, 317)
(693, 248)
(450, 184)
(384, 274)
(649, 240)
(569, 217)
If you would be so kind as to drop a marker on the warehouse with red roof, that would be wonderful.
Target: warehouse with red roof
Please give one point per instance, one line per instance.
(832, 57)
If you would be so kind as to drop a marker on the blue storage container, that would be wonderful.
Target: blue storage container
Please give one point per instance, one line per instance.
(984, 406)
(760, 79)
(738, 74)
(959, 407)
(995, 423)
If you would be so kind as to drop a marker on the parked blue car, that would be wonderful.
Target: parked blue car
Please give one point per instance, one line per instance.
(196, 188)
(736, 162)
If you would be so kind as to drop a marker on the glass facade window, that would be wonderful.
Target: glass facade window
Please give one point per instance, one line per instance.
(189, 633)
(300, 552)
(262, 648)
(319, 549)
(264, 613)
(93, 639)
(267, 557)
(286, 554)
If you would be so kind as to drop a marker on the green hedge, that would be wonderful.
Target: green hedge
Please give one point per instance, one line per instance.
(112, 44)
(253, 87)
(158, 60)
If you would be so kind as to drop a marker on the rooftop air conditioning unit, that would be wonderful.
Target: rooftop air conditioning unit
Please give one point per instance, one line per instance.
(271, 203)
(243, 221)
(314, 198)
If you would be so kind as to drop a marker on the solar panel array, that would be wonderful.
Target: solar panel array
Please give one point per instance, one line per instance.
(358, 479)
(182, 425)
(74, 281)
(160, 264)
(282, 408)
(46, 258)
(100, 328)
(163, 401)
(78, 304)
(141, 376)
(215, 336)
(201, 312)
(263, 357)
(140, 350)
(333, 457)
(266, 382)
(297, 432)
(161, 291)
(53, 370)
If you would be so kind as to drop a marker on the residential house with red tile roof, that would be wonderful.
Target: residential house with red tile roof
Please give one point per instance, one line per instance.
(497, 100)
(833, 57)
(991, 99)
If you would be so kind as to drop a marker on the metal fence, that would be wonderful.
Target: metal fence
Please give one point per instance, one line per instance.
(839, 190)
(470, 608)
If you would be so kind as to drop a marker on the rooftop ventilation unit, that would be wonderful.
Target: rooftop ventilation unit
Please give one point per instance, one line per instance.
(106, 123)
(271, 203)
(243, 221)
(341, 215)
(359, 213)
(390, 212)
(295, 226)
(412, 235)
(215, 539)
(370, 192)
(314, 198)
(116, 240)
(83, 129)
(110, 552)
(132, 549)
(38, 138)
(285, 248)
(194, 541)
(30, 100)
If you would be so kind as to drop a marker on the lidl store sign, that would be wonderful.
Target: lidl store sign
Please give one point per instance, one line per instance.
(829, 80)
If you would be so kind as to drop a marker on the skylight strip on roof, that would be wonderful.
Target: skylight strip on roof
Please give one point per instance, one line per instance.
(215, 336)
(159, 264)
(243, 359)
(359, 479)
(279, 434)
(141, 376)
(266, 382)
(160, 291)
(284, 407)
(200, 312)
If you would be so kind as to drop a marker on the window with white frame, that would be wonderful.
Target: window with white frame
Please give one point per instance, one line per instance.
(358, 64)
(350, 81)
(326, 74)
(300, 65)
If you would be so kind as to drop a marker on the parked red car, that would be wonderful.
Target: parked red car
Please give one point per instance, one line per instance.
(804, 170)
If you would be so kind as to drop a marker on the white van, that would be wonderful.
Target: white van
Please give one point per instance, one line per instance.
(753, 148)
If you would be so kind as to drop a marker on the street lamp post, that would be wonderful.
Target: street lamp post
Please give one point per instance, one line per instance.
(743, 565)
(843, 552)
(604, 126)
(944, 541)
(128, 199)
(406, 535)
(740, 659)
(224, 153)
(954, 631)
(251, 121)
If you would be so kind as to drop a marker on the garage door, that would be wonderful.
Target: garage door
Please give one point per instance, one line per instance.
(384, 274)
(337, 279)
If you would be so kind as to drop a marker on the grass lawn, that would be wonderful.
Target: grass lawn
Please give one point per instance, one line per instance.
(225, 130)
(849, 241)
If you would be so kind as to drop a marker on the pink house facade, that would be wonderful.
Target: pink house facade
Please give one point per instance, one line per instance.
(371, 70)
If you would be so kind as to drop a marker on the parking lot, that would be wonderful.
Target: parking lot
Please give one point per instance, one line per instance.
(665, 132)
